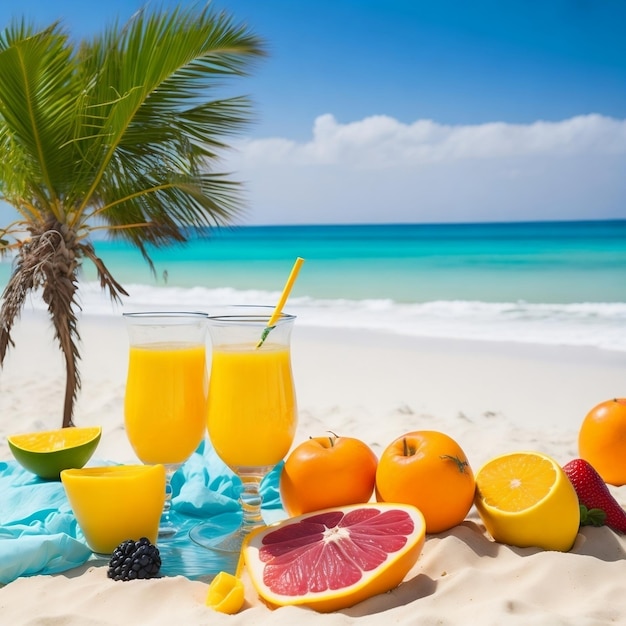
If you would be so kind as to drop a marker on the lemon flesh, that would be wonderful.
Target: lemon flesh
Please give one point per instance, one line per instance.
(226, 594)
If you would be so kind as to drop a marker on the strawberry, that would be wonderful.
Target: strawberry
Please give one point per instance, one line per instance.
(597, 504)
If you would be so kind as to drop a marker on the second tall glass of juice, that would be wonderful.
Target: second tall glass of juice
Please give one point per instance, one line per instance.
(251, 413)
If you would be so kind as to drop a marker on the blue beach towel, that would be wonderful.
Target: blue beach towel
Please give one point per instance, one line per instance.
(39, 533)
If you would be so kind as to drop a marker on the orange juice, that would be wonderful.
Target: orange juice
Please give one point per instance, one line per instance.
(165, 404)
(252, 404)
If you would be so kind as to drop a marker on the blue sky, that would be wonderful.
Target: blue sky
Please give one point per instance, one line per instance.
(422, 111)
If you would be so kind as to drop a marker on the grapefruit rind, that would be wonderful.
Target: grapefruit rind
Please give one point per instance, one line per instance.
(47, 453)
(381, 578)
(550, 524)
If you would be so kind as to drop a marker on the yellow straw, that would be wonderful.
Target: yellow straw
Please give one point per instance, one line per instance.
(283, 298)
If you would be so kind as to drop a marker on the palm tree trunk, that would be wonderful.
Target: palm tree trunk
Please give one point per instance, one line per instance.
(72, 382)
(59, 293)
(48, 261)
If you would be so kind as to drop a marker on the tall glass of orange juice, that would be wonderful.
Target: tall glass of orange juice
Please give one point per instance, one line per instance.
(251, 408)
(166, 391)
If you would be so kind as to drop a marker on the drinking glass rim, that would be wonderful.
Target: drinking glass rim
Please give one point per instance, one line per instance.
(165, 315)
(243, 313)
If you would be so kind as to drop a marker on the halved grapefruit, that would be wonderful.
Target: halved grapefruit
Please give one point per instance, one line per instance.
(332, 559)
(46, 453)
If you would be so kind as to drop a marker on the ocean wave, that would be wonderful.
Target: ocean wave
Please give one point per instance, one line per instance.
(595, 324)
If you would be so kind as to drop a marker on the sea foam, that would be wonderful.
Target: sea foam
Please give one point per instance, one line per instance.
(600, 325)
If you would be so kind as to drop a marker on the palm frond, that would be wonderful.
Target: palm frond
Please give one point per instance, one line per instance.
(154, 125)
(37, 96)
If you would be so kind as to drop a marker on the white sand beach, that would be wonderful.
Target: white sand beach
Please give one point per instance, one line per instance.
(491, 397)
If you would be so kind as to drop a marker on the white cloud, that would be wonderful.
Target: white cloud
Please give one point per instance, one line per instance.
(381, 141)
(379, 169)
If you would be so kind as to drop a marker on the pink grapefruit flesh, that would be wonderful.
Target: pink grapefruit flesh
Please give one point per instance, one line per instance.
(332, 559)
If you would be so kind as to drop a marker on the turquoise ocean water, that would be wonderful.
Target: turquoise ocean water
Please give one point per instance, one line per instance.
(545, 282)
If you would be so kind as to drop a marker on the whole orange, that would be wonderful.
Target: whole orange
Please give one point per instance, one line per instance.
(429, 470)
(602, 440)
(325, 472)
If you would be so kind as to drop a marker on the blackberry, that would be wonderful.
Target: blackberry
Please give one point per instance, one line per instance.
(132, 560)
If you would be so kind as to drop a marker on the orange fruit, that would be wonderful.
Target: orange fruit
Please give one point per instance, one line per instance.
(602, 440)
(225, 593)
(332, 559)
(325, 472)
(525, 499)
(429, 470)
(46, 453)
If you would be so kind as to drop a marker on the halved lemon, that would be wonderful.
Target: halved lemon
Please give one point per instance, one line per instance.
(48, 452)
(525, 499)
(226, 593)
(113, 503)
(332, 559)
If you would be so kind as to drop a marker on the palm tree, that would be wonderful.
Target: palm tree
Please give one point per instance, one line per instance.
(121, 132)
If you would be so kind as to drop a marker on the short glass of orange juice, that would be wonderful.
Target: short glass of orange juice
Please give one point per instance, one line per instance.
(166, 391)
(251, 408)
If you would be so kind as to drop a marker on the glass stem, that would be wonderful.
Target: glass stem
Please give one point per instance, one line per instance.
(166, 526)
(251, 498)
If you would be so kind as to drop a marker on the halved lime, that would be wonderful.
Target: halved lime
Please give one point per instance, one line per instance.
(46, 453)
